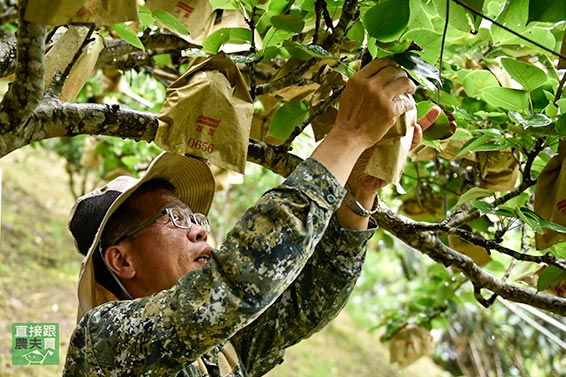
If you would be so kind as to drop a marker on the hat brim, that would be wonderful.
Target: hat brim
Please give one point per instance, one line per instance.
(194, 185)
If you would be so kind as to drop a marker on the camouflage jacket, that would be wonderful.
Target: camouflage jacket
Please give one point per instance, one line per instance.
(284, 271)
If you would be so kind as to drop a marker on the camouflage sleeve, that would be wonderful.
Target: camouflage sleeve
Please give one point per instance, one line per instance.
(262, 256)
(315, 298)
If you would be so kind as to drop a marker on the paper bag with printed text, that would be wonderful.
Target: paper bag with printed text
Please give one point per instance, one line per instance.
(550, 198)
(64, 12)
(196, 15)
(208, 113)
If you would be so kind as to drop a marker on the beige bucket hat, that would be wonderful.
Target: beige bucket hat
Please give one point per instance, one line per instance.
(194, 185)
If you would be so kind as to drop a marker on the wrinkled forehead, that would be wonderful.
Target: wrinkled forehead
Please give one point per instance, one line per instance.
(155, 200)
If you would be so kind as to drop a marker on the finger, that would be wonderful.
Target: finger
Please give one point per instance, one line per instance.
(375, 66)
(399, 86)
(417, 136)
(430, 117)
(403, 103)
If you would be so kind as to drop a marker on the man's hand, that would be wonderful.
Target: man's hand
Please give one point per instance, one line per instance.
(360, 182)
(373, 99)
(364, 186)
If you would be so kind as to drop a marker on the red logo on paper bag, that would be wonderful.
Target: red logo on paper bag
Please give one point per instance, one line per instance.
(184, 9)
(561, 205)
(211, 123)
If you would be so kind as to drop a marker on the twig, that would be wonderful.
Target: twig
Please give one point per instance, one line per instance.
(334, 97)
(519, 35)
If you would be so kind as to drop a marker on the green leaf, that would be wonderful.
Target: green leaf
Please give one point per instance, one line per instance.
(477, 81)
(162, 59)
(169, 21)
(460, 18)
(504, 212)
(306, 52)
(560, 126)
(290, 23)
(131, 161)
(482, 206)
(561, 103)
(127, 34)
(223, 4)
(510, 99)
(146, 18)
(493, 146)
(537, 120)
(553, 226)
(515, 15)
(356, 32)
(429, 40)
(387, 20)
(472, 194)
(530, 218)
(547, 10)
(528, 75)
(413, 62)
(475, 143)
(220, 37)
(275, 38)
(550, 277)
(289, 116)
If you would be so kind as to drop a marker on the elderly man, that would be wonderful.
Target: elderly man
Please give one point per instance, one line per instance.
(157, 300)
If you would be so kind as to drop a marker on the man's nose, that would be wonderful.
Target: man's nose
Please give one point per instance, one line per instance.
(197, 233)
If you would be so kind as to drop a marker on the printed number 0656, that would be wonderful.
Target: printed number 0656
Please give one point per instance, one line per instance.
(200, 145)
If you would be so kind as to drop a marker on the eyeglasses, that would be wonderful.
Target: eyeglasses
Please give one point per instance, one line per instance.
(181, 218)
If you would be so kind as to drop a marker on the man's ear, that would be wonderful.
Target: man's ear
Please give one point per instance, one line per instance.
(118, 260)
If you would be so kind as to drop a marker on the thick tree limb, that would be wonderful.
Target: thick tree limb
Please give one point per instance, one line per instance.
(27, 89)
(428, 243)
(54, 118)
(8, 52)
(277, 159)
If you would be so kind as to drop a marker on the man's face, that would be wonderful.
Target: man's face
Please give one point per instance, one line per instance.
(162, 253)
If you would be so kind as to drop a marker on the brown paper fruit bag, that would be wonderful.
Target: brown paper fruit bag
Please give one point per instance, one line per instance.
(410, 344)
(330, 80)
(61, 54)
(64, 12)
(448, 149)
(390, 154)
(499, 170)
(208, 113)
(550, 198)
(477, 253)
(196, 15)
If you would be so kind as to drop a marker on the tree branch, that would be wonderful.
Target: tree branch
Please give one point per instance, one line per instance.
(26, 90)
(528, 181)
(272, 157)
(120, 54)
(428, 243)
(54, 118)
(8, 53)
